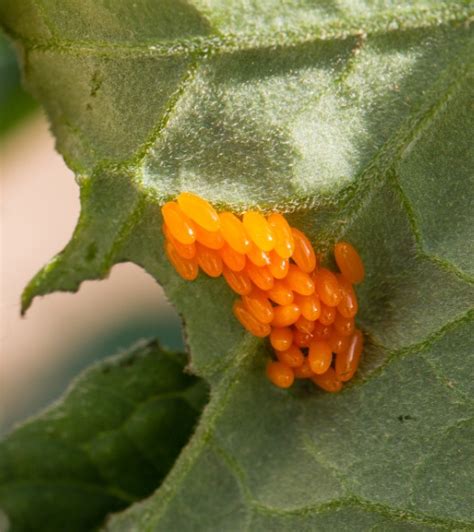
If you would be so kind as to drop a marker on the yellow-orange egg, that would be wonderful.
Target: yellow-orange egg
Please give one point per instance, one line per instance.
(180, 226)
(239, 281)
(348, 360)
(319, 356)
(292, 357)
(233, 232)
(284, 242)
(280, 374)
(259, 230)
(209, 260)
(281, 338)
(187, 268)
(199, 210)
(303, 253)
(258, 304)
(249, 322)
(232, 259)
(327, 287)
(349, 262)
(328, 381)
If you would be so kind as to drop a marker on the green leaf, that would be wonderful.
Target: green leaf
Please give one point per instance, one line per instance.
(15, 103)
(353, 118)
(108, 443)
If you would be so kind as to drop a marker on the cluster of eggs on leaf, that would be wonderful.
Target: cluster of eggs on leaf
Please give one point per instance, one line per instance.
(306, 310)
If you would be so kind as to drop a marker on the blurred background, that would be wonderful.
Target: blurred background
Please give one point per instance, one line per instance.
(62, 333)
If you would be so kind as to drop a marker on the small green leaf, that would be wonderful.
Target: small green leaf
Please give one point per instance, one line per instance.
(351, 117)
(15, 103)
(108, 443)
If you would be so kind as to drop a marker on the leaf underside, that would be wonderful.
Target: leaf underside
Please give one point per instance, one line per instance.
(352, 117)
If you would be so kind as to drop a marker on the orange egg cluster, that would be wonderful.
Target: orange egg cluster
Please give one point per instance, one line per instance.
(307, 311)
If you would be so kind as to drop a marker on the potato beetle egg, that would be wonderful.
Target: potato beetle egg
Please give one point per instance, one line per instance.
(278, 267)
(233, 232)
(280, 374)
(232, 259)
(280, 293)
(260, 276)
(187, 268)
(257, 256)
(319, 356)
(209, 260)
(349, 262)
(348, 360)
(259, 306)
(303, 254)
(284, 242)
(179, 224)
(259, 230)
(327, 287)
(239, 281)
(285, 315)
(299, 281)
(199, 210)
(292, 357)
(328, 381)
(281, 338)
(249, 322)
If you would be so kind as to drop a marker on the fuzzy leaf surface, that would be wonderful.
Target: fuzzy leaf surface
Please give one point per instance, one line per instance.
(351, 117)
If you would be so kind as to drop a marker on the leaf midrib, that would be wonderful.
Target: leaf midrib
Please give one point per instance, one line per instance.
(413, 17)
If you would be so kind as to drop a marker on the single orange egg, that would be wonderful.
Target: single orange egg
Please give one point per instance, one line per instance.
(303, 253)
(348, 306)
(344, 326)
(187, 251)
(319, 356)
(210, 239)
(322, 332)
(248, 321)
(187, 268)
(349, 262)
(180, 226)
(232, 259)
(261, 277)
(278, 267)
(338, 343)
(284, 243)
(302, 339)
(285, 315)
(259, 230)
(280, 374)
(209, 260)
(327, 287)
(304, 325)
(328, 381)
(348, 361)
(303, 371)
(280, 293)
(310, 306)
(257, 256)
(292, 356)
(299, 281)
(328, 315)
(199, 210)
(239, 281)
(259, 305)
(234, 233)
(281, 338)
